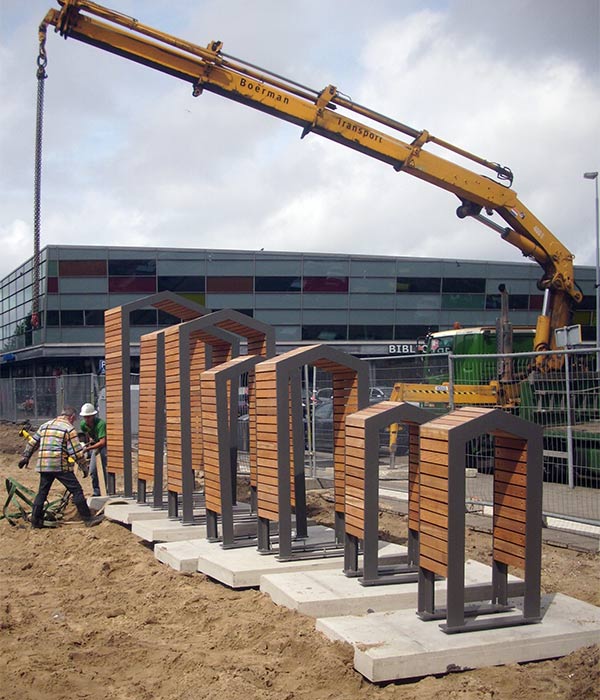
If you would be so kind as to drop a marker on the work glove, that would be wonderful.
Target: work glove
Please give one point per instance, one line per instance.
(23, 463)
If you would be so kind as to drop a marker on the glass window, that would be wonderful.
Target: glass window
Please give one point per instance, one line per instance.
(278, 284)
(288, 333)
(492, 301)
(515, 301)
(326, 332)
(52, 318)
(181, 284)
(52, 285)
(463, 301)
(132, 284)
(536, 301)
(418, 285)
(143, 317)
(331, 285)
(82, 268)
(368, 332)
(518, 301)
(229, 284)
(94, 317)
(132, 267)
(71, 318)
(166, 319)
(454, 285)
(588, 303)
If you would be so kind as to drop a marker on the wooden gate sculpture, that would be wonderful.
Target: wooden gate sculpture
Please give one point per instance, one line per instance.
(280, 439)
(190, 348)
(361, 494)
(186, 359)
(219, 426)
(517, 518)
(118, 380)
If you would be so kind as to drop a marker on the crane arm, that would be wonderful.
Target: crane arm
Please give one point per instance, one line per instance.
(333, 116)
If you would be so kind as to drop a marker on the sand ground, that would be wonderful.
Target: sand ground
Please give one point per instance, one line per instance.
(90, 614)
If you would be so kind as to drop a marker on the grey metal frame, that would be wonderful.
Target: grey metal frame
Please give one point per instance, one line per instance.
(405, 568)
(493, 421)
(215, 330)
(288, 380)
(155, 300)
(227, 449)
(211, 336)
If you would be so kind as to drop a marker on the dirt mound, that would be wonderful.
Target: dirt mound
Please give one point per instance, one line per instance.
(91, 614)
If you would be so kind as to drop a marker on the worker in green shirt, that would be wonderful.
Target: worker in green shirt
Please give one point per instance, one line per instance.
(94, 429)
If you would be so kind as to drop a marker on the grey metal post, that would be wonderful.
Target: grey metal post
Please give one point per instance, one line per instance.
(298, 452)
(533, 534)
(187, 472)
(160, 423)
(450, 382)
(227, 484)
(371, 506)
(594, 176)
(455, 584)
(283, 467)
(126, 384)
(570, 469)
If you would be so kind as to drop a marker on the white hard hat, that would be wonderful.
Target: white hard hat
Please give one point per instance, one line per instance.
(88, 410)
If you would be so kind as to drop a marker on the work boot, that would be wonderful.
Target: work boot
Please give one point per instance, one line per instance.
(37, 517)
(93, 520)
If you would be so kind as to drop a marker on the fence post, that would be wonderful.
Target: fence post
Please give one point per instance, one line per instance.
(14, 402)
(450, 381)
(569, 422)
(35, 399)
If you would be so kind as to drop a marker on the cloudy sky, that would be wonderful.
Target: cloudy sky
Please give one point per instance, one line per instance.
(131, 158)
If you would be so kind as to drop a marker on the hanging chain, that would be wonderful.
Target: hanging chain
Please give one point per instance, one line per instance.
(42, 62)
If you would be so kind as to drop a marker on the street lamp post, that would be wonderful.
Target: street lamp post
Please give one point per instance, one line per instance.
(594, 176)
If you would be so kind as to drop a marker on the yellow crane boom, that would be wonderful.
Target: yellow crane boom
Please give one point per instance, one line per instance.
(330, 114)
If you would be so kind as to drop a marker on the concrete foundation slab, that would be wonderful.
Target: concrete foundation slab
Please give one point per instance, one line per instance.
(127, 512)
(175, 531)
(183, 555)
(398, 645)
(330, 593)
(243, 568)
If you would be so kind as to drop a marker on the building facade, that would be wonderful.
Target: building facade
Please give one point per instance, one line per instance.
(365, 304)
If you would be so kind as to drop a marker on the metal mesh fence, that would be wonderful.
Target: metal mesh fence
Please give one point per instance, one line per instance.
(38, 399)
(560, 392)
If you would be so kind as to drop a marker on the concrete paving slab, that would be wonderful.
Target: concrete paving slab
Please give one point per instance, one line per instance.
(330, 593)
(174, 531)
(127, 512)
(398, 645)
(243, 568)
(182, 555)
